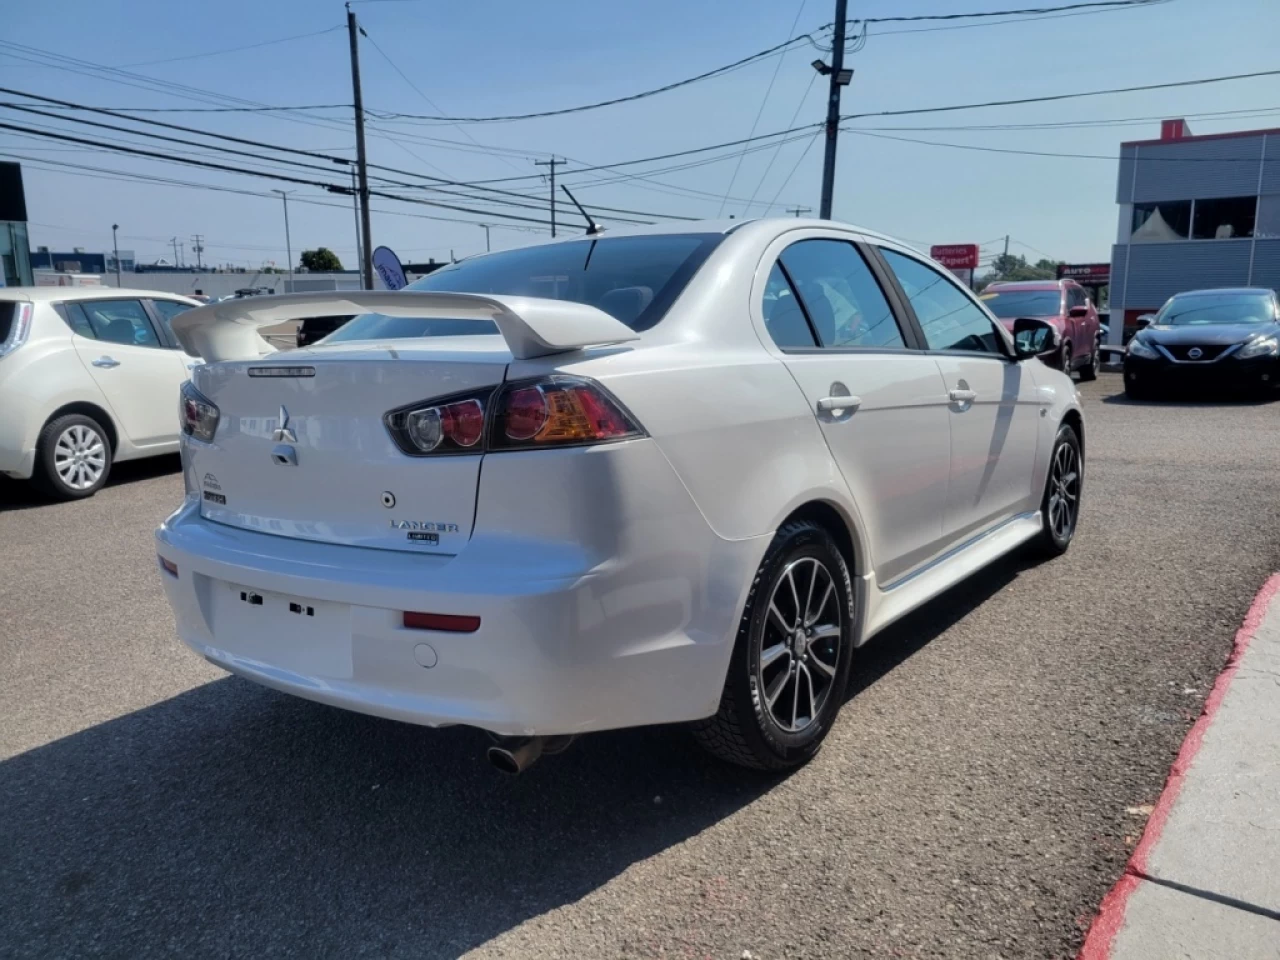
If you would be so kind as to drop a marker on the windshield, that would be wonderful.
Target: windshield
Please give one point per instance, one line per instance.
(634, 279)
(1217, 308)
(1011, 304)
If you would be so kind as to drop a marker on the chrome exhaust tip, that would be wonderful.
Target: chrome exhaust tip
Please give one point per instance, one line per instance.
(515, 755)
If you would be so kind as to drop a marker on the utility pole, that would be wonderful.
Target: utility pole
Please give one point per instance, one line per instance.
(1006, 245)
(355, 212)
(288, 244)
(487, 248)
(552, 163)
(799, 210)
(115, 245)
(174, 241)
(197, 249)
(839, 78)
(362, 164)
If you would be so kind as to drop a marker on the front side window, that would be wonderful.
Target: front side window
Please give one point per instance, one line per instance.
(949, 319)
(120, 321)
(843, 299)
(634, 279)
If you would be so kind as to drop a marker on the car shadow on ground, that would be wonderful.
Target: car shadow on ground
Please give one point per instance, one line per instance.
(21, 495)
(234, 821)
(1192, 401)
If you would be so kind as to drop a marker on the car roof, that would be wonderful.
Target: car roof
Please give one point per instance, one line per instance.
(1233, 291)
(60, 294)
(673, 227)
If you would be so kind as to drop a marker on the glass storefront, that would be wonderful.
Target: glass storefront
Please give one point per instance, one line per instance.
(15, 255)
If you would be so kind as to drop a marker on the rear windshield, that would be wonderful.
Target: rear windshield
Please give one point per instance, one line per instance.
(1011, 304)
(1218, 308)
(634, 279)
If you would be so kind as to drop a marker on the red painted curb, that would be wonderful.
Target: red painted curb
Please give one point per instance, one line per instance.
(1110, 918)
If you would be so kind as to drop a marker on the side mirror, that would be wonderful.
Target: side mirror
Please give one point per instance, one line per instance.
(1078, 312)
(1033, 337)
(1146, 320)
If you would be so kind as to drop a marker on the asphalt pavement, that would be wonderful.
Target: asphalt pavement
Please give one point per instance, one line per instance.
(980, 793)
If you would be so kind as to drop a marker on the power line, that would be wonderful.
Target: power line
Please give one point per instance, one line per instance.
(1048, 153)
(717, 72)
(1060, 96)
(216, 53)
(1026, 11)
(760, 111)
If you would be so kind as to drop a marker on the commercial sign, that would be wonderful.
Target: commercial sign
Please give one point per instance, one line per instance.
(1091, 272)
(956, 256)
(388, 266)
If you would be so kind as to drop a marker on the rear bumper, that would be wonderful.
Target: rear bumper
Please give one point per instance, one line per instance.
(568, 642)
(19, 429)
(1227, 375)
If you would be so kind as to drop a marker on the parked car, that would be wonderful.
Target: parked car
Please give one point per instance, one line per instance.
(1217, 339)
(667, 475)
(1063, 303)
(316, 328)
(88, 376)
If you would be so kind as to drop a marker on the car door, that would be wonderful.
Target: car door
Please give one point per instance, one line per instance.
(118, 344)
(994, 403)
(881, 405)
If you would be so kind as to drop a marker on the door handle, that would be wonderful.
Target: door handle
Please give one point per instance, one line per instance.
(106, 362)
(832, 404)
(963, 396)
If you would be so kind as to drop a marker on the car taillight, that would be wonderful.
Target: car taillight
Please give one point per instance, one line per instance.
(19, 327)
(557, 411)
(530, 414)
(197, 413)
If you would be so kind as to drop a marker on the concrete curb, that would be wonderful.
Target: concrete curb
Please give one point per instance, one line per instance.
(1111, 912)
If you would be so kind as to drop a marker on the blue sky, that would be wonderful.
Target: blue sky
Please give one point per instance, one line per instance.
(483, 58)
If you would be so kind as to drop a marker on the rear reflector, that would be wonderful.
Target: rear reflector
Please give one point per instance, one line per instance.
(168, 566)
(438, 621)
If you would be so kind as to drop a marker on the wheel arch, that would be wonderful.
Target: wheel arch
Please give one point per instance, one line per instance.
(88, 409)
(1074, 419)
(844, 531)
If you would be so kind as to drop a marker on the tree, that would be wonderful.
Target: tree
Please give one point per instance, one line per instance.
(1008, 266)
(320, 260)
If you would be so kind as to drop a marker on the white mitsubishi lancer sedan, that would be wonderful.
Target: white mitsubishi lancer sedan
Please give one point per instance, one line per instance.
(675, 474)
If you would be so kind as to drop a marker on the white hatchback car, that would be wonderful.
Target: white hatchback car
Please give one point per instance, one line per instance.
(673, 474)
(88, 376)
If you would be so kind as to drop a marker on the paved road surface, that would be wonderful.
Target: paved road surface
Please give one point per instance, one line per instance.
(971, 802)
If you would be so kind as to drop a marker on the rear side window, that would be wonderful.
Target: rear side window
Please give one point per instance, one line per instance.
(843, 299)
(634, 279)
(168, 309)
(949, 319)
(120, 321)
(77, 320)
(783, 315)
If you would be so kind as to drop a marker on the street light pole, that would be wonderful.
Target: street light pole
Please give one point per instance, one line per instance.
(288, 244)
(487, 248)
(115, 246)
(838, 79)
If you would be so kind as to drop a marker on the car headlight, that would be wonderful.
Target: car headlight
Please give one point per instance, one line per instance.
(1261, 347)
(1140, 348)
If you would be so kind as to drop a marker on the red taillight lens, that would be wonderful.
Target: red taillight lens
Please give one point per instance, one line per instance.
(558, 411)
(168, 566)
(551, 411)
(448, 622)
(197, 413)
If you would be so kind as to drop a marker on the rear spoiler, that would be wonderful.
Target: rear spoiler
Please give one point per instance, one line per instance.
(532, 326)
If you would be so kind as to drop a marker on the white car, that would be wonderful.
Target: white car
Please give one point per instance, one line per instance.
(88, 376)
(669, 475)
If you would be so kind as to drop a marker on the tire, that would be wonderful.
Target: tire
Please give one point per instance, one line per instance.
(1064, 358)
(73, 458)
(746, 729)
(1090, 370)
(1063, 488)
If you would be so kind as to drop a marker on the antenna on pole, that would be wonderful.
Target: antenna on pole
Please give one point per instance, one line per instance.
(593, 228)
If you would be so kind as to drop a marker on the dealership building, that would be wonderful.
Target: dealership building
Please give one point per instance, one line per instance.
(1195, 212)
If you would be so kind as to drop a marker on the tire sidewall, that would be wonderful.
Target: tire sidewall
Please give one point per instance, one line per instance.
(790, 749)
(1066, 434)
(49, 477)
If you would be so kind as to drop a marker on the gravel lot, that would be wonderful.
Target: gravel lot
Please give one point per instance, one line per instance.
(971, 802)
